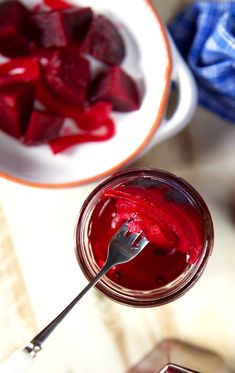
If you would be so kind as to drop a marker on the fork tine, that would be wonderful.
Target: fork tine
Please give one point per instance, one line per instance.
(133, 236)
(142, 243)
(123, 230)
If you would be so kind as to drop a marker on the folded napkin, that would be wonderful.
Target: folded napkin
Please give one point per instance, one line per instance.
(204, 33)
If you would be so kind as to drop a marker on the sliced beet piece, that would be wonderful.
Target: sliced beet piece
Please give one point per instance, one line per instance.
(68, 75)
(60, 28)
(60, 144)
(42, 128)
(15, 29)
(118, 88)
(176, 226)
(94, 116)
(104, 42)
(88, 118)
(150, 218)
(16, 101)
(54, 104)
(21, 69)
(57, 4)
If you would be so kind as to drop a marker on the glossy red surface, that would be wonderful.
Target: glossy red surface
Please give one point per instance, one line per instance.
(167, 218)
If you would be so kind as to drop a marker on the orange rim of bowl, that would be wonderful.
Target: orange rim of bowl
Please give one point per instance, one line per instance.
(121, 164)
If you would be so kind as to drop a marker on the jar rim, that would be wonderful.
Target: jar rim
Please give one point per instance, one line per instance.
(129, 296)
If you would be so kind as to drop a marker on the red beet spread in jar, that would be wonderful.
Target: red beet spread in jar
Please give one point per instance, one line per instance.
(167, 217)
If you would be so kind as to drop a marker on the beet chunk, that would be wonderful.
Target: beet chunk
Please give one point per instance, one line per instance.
(42, 128)
(77, 21)
(19, 69)
(68, 75)
(104, 42)
(16, 101)
(116, 87)
(49, 29)
(60, 28)
(15, 29)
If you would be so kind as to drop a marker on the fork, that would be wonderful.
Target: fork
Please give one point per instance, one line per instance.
(123, 247)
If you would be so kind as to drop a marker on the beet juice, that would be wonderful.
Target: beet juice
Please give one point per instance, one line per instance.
(169, 213)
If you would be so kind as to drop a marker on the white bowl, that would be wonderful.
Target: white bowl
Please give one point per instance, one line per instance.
(151, 59)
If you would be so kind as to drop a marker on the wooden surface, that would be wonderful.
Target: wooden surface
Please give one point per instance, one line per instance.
(16, 317)
(99, 335)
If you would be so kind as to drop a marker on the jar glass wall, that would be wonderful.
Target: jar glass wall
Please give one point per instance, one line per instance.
(174, 217)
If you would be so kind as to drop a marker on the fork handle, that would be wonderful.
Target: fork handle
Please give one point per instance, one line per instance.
(36, 343)
(18, 362)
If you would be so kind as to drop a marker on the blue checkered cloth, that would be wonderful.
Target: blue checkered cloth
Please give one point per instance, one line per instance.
(204, 33)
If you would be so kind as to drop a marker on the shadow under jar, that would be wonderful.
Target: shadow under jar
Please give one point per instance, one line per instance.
(169, 212)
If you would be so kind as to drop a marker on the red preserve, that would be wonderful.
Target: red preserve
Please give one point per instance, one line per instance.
(172, 216)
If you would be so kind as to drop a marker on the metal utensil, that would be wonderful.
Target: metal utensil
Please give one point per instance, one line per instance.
(123, 247)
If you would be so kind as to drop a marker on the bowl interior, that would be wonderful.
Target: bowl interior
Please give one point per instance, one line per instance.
(148, 61)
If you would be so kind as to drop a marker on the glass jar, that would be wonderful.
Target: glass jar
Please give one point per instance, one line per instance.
(177, 196)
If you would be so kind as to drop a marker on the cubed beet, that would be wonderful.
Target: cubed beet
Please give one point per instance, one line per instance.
(60, 28)
(21, 69)
(118, 88)
(42, 128)
(16, 101)
(104, 42)
(49, 29)
(77, 22)
(68, 75)
(15, 29)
